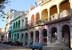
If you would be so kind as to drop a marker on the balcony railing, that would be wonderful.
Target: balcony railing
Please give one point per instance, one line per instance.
(65, 13)
(54, 16)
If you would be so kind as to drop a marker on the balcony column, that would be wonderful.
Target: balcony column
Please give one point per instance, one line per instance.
(70, 1)
(58, 10)
(48, 14)
(20, 24)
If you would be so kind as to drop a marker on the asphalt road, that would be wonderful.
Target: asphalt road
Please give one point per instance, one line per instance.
(9, 47)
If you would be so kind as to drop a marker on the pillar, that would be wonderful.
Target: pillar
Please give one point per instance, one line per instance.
(49, 15)
(19, 37)
(33, 37)
(29, 38)
(59, 34)
(71, 35)
(40, 36)
(49, 36)
(23, 39)
(58, 10)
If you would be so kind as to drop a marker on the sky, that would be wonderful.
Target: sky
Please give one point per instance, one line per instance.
(17, 5)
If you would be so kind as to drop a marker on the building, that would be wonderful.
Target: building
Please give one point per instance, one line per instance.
(17, 26)
(50, 24)
(2, 33)
(9, 17)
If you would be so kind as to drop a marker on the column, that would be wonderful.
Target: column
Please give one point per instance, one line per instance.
(34, 37)
(48, 14)
(49, 36)
(40, 37)
(23, 39)
(71, 36)
(21, 24)
(19, 37)
(29, 38)
(59, 34)
(58, 10)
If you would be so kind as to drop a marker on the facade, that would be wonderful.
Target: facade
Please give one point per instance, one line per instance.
(50, 24)
(17, 26)
(7, 24)
(47, 25)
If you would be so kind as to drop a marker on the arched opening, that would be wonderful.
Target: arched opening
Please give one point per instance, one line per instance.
(53, 13)
(66, 35)
(31, 37)
(16, 24)
(53, 34)
(19, 24)
(37, 17)
(44, 34)
(32, 19)
(26, 38)
(64, 8)
(44, 15)
(37, 36)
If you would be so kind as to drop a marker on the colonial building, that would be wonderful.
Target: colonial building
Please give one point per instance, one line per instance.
(47, 25)
(17, 26)
(50, 24)
(7, 24)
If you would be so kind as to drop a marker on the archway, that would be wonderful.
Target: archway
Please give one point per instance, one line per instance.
(44, 15)
(65, 5)
(64, 8)
(66, 35)
(37, 36)
(53, 34)
(44, 34)
(53, 12)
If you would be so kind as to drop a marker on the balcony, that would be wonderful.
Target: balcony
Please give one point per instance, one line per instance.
(54, 16)
(65, 13)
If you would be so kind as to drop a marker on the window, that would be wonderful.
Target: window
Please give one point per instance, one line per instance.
(22, 22)
(22, 36)
(19, 23)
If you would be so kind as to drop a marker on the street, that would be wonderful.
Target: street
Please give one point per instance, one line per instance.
(9, 47)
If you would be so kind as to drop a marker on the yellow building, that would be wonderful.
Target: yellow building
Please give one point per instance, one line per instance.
(50, 23)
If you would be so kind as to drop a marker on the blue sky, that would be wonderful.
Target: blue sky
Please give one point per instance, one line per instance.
(17, 5)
